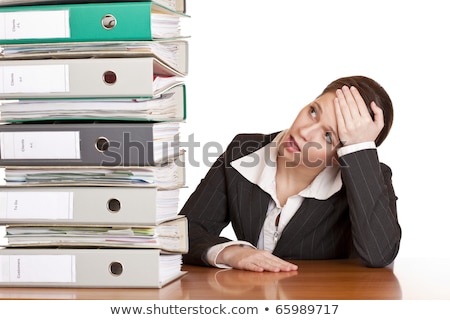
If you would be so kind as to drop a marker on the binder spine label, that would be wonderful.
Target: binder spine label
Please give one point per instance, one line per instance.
(37, 268)
(29, 205)
(34, 24)
(40, 145)
(34, 79)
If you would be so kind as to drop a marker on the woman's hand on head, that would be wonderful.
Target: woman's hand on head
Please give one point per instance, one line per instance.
(247, 258)
(354, 122)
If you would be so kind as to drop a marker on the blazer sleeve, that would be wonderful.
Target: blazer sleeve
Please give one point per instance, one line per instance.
(371, 198)
(208, 207)
(206, 212)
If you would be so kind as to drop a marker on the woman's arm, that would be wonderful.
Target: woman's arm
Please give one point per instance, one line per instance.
(372, 201)
(207, 209)
(206, 212)
(372, 207)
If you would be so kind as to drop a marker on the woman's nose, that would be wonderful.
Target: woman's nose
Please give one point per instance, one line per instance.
(308, 132)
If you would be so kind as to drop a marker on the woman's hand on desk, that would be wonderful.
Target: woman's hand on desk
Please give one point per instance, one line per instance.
(247, 258)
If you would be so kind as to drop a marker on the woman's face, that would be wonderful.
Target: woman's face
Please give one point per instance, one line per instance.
(312, 139)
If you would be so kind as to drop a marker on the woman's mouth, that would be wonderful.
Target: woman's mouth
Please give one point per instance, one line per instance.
(292, 145)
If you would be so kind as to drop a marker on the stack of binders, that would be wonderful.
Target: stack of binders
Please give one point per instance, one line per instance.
(92, 98)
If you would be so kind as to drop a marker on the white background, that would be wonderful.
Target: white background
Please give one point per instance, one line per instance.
(255, 63)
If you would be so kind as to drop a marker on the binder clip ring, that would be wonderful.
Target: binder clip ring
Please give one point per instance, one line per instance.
(109, 22)
(102, 144)
(113, 205)
(109, 77)
(116, 268)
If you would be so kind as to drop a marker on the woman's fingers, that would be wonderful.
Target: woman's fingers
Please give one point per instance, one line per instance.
(251, 259)
(353, 118)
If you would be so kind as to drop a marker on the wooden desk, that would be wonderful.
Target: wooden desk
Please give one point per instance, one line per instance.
(330, 279)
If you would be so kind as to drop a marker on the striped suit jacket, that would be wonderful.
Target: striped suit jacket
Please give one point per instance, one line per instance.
(360, 220)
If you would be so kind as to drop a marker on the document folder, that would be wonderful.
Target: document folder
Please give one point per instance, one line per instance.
(176, 5)
(169, 175)
(86, 78)
(110, 21)
(91, 268)
(88, 144)
(169, 106)
(173, 52)
(169, 236)
(89, 205)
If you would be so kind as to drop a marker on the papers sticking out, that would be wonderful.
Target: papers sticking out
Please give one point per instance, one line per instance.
(174, 53)
(169, 106)
(170, 236)
(169, 175)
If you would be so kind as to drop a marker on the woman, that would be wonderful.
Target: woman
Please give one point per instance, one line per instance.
(314, 191)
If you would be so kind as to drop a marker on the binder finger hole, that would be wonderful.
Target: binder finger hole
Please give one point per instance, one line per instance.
(109, 22)
(116, 268)
(113, 205)
(102, 144)
(109, 77)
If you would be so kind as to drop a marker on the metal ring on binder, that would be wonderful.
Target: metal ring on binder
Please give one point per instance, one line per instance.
(102, 144)
(109, 77)
(109, 22)
(113, 205)
(116, 268)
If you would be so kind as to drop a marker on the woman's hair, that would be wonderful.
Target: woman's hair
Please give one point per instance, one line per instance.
(370, 90)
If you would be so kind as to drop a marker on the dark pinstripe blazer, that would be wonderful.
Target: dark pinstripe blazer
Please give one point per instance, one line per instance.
(359, 220)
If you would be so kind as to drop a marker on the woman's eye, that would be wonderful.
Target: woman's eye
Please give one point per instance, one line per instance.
(313, 112)
(329, 137)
